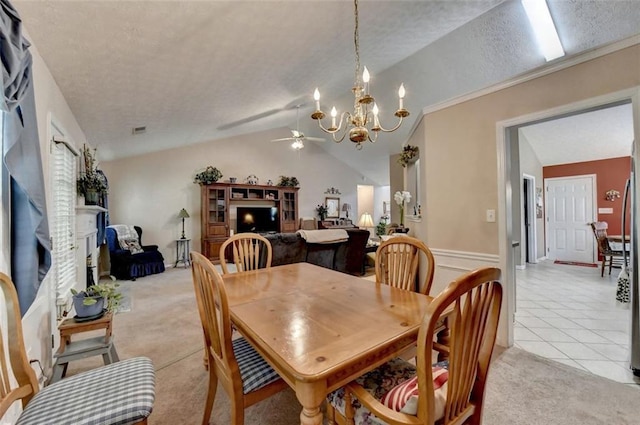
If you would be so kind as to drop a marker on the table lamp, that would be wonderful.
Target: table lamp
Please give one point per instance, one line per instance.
(365, 221)
(346, 208)
(183, 214)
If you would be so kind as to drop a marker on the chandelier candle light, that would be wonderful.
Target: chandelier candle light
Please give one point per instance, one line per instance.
(401, 198)
(365, 109)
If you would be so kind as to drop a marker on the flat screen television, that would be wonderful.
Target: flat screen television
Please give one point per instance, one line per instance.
(258, 219)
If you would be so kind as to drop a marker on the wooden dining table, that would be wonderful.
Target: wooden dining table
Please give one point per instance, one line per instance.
(618, 238)
(319, 328)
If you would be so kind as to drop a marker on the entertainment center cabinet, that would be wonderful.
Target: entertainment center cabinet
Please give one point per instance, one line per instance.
(218, 198)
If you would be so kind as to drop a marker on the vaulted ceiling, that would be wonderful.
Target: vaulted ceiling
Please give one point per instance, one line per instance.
(197, 71)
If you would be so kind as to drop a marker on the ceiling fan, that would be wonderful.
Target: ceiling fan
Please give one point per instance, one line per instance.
(297, 137)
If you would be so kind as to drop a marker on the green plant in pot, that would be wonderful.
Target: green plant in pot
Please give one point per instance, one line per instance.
(207, 176)
(91, 183)
(96, 299)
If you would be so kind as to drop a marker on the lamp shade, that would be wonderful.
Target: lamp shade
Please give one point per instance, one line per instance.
(346, 207)
(365, 220)
(183, 214)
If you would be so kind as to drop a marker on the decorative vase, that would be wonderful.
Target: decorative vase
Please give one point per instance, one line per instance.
(402, 215)
(91, 197)
(83, 310)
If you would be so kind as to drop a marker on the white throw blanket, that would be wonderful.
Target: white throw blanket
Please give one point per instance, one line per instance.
(125, 232)
(324, 236)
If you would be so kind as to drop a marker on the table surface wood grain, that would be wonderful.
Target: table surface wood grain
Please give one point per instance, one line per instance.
(320, 328)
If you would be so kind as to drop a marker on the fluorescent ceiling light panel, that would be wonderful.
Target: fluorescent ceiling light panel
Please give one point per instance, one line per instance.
(543, 28)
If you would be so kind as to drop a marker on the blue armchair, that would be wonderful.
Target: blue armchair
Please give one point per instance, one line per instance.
(126, 265)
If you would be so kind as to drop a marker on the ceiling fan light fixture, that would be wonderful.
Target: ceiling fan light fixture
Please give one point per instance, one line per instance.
(365, 113)
(297, 144)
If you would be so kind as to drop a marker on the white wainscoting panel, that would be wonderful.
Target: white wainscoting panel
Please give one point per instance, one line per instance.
(451, 264)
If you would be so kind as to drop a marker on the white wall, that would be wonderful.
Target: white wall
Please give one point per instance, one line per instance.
(149, 190)
(530, 164)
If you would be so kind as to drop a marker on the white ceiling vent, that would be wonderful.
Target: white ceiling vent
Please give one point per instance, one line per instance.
(139, 130)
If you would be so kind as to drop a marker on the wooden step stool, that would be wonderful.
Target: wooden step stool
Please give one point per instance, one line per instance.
(88, 347)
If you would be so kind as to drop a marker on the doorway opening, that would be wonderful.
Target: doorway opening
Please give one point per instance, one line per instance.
(511, 187)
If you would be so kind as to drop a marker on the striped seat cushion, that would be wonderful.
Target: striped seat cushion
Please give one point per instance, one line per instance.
(120, 393)
(254, 370)
(393, 385)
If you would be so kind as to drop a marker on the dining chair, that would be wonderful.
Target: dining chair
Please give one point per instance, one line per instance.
(250, 251)
(243, 373)
(450, 392)
(120, 393)
(614, 257)
(308, 223)
(397, 261)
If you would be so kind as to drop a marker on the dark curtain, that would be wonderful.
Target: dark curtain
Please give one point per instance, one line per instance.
(103, 217)
(30, 243)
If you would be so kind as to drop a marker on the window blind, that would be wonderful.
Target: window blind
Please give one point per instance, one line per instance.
(64, 219)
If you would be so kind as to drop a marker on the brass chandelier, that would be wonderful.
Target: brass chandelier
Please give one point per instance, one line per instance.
(365, 109)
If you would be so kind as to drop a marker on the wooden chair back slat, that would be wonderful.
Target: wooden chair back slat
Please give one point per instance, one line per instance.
(398, 261)
(25, 378)
(248, 250)
(472, 304)
(214, 313)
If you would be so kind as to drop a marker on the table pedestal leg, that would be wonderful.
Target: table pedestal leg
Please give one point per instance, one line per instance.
(311, 396)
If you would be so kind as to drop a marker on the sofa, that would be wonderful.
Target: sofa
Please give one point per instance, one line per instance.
(345, 257)
(126, 265)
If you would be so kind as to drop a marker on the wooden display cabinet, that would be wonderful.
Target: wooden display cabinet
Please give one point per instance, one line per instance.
(217, 198)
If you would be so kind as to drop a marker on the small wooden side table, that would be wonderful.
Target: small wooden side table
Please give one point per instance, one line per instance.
(84, 348)
(182, 253)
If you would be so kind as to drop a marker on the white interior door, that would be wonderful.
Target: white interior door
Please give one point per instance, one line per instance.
(570, 206)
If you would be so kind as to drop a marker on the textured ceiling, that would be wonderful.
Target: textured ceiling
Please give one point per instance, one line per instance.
(601, 134)
(196, 71)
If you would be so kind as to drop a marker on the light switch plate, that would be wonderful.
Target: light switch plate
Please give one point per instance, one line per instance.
(605, 210)
(491, 216)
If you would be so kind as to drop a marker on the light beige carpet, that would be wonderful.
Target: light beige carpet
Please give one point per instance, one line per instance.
(523, 389)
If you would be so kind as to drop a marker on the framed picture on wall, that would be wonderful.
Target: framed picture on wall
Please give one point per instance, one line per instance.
(333, 207)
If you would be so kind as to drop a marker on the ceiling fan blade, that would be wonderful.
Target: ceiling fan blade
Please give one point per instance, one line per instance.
(286, 139)
(315, 139)
(248, 119)
(295, 103)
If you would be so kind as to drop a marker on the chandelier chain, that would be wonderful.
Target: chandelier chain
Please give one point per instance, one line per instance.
(356, 42)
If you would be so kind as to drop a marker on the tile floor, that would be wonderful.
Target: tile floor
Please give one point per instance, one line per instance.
(569, 314)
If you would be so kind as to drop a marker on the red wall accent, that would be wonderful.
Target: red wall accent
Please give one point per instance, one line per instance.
(610, 174)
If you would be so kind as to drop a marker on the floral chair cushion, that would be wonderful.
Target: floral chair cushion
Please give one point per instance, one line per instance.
(389, 377)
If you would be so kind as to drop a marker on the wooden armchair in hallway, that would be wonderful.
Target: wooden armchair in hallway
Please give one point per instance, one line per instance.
(397, 261)
(243, 373)
(450, 392)
(120, 393)
(614, 257)
(250, 251)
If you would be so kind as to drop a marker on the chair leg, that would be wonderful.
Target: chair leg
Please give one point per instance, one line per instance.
(604, 262)
(610, 264)
(114, 354)
(237, 411)
(211, 396)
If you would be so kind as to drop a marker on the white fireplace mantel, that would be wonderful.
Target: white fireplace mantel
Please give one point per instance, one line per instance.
(86, 240)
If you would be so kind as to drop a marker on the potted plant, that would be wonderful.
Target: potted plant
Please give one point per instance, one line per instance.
(288, 181)
(322, 211)
(91, 301)
(207, 176)
(408, 155)
(91, 182)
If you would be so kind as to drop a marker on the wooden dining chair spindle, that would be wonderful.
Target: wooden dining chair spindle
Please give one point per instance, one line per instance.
(243, 373)
(448, 393)
(398, 260)
(250, 251)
